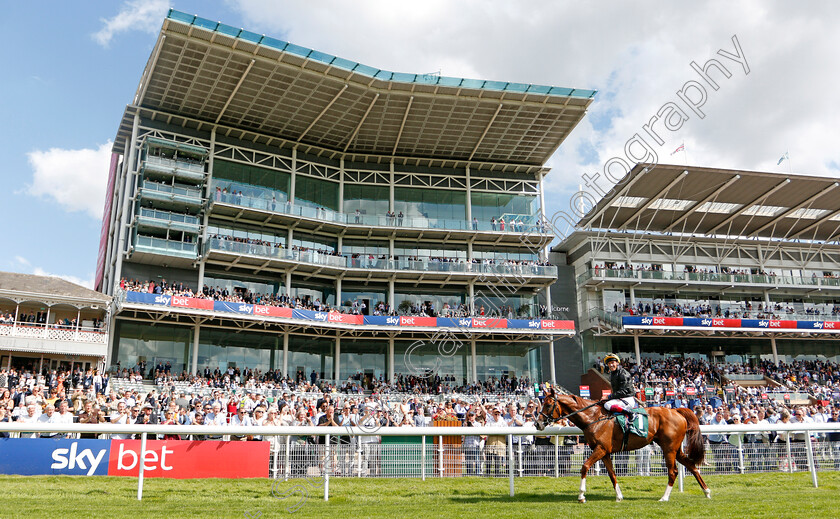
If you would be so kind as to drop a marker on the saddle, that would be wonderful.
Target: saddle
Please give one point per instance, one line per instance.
(638, 425)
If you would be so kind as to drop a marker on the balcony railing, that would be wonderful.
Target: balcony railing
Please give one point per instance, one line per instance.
(701, 277)
(53, 332)
(168, 219)
(172, 163)
(361, 262)
(525, 224)
(614, 318)
(167, 247)
(173, 191)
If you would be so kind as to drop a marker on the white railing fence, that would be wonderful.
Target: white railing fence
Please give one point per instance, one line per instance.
(425, 452)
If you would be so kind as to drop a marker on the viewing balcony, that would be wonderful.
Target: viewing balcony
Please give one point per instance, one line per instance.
(154, 219)
(164, 247)
(265, 211)
(175, 196)
(54, 332)
(595, 277)
(228, 253)
(190, 172)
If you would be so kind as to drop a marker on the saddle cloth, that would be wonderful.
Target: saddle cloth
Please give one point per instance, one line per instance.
(638, 425)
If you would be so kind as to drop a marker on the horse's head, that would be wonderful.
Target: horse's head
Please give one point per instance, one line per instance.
(551, 411)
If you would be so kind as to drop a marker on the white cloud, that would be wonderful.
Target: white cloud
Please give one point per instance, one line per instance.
(135, 15)
(75, 179)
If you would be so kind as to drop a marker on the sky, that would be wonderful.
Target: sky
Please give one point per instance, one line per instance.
(70, 67)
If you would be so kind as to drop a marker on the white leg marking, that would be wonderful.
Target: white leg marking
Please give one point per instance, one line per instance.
(618, 496)
(581, 497)
(667, 493)
(708, 492)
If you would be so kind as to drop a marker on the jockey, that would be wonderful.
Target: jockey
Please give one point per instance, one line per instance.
(622, 398)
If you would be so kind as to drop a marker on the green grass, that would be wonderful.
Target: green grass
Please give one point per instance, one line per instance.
(757, 495)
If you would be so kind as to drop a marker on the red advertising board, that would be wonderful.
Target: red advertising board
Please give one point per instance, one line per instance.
(272, 311)
(726, 323)
(690, 391)
(491, 322)
(669, 392)
(781, 324)
(557, 325)
(667, 321)
(831, 325)
(191, 302)
(418, 321)
(180, 459)
(335, 317)
(605, 393)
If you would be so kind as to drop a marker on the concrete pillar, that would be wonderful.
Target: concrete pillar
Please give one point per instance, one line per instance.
(47, 321)
(292, 182)
(286, 354)
(636, 347)
(766, 298)
(469, 204)
(288, 283)
(194, 355)
(41, 364)
(341, 188)
(391, 359)
(472, 297)
(337, 360)
(391, 295)
(773, 347)
(632, 298)
(337, 292)
(473, 357)
(208, 193)
(391, 188)
(551, 362)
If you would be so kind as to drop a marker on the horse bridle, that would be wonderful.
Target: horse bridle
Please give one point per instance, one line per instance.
(549, 420)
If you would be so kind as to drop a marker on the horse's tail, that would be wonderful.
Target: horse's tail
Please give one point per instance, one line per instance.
(696, 450)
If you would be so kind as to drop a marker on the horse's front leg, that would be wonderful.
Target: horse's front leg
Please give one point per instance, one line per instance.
(611, 471)
(597, 454)
(670, 456)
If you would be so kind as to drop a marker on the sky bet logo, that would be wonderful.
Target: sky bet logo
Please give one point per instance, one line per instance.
(393, 321)
(818, 324)
(464, 322)
(320, 316)
(162, 300)
(245, 309)
(706, 322)
(647, 320)
(533, 324)
(71, 458)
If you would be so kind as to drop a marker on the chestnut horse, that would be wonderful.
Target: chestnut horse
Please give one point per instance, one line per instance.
(666, 427)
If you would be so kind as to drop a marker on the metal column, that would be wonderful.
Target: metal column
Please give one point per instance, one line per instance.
(196, 333)
(636, 347)
(391, 359)
(773, 347)
(286, 354)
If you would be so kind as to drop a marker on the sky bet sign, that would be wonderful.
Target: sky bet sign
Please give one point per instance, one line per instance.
(163, 458)
(373, 320)
(643, 322)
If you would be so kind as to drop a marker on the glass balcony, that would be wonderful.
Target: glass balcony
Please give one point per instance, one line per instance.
(362, 262)
(190, 171)
(167, 220)
(167, 193)
(703, 277)
(166, 247)
(524, 224)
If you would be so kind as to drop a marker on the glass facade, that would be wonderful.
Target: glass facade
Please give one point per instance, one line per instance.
(437, 297)
(243, 285)
(493, 205)
(519, 359)
(432, 204)
(498, 253)
(425, 251)
(244, 234)
(314, 192)
(307, 354)
(139, 342)
(223, 349)
(369, 200)
(252, 181)
(499, 302)
(365, 358)
(422, 357)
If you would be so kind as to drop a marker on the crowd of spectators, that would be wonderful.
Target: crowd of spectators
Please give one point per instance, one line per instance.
(745, 310)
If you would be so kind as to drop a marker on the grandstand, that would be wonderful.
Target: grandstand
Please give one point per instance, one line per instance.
(711, 264)
(313, 215)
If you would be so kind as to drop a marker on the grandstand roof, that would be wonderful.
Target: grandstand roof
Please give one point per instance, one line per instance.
(13, 284)
(720, 202)
(212, 73)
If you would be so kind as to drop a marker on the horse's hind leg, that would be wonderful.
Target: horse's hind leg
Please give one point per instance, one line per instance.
(597, 454)
(682, 458)
(671, 465)
(608, 463)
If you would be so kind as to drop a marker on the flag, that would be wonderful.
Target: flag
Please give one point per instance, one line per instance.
(783, 157)
(681, 148)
